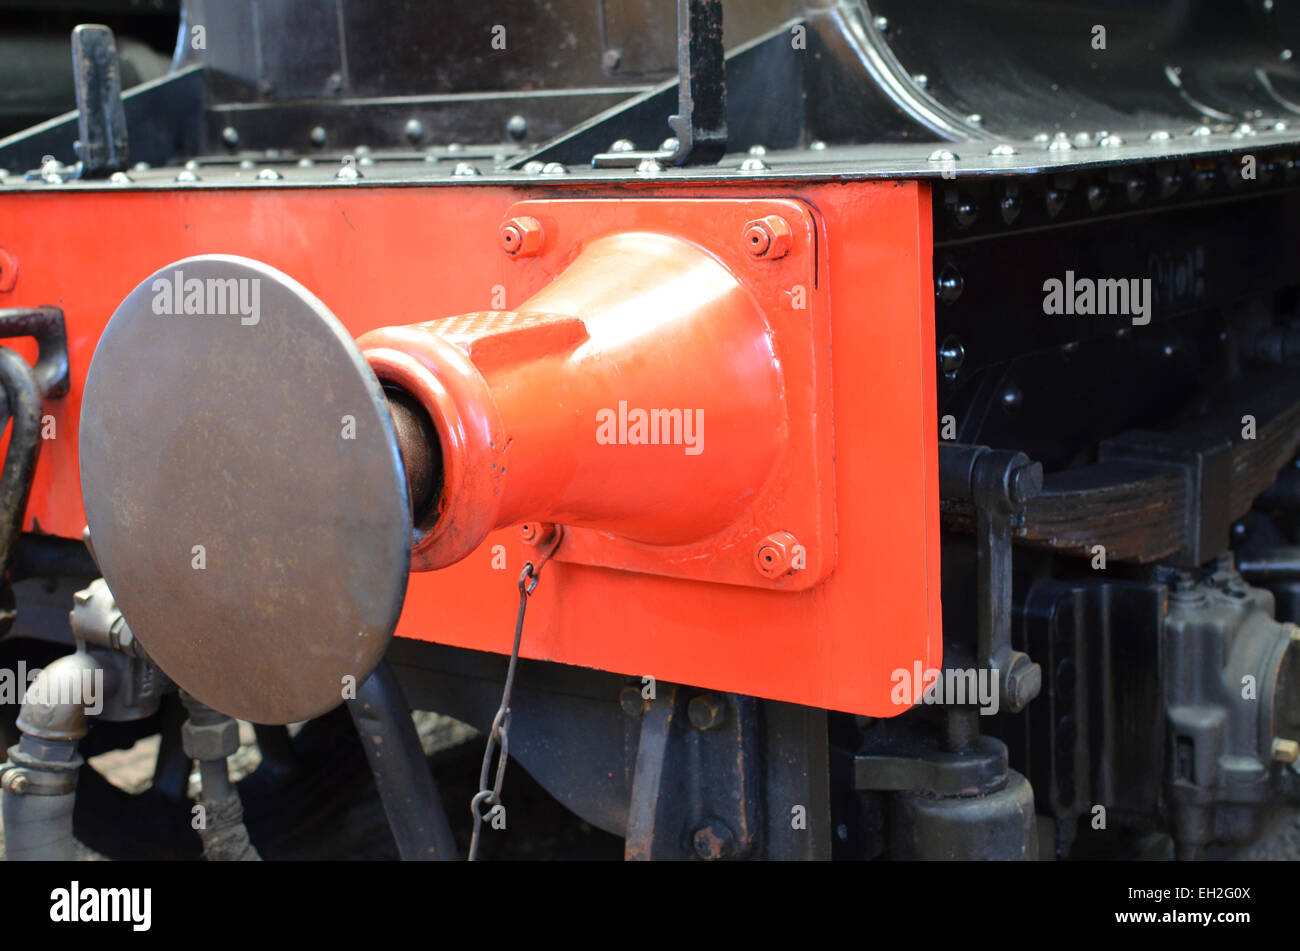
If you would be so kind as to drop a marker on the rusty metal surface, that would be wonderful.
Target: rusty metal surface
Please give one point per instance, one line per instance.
(260, 435)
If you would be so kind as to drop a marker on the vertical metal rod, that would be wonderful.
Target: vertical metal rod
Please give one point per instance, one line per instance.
(415, 812)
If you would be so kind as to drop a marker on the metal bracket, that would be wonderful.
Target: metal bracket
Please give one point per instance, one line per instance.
(998, 483)
(101, 117)
(700, 125)
(45, 324)
(926, 767)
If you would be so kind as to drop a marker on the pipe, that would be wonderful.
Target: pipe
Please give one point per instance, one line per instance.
(406, 787)
(40, 791)
(40, 778)
(210, 738)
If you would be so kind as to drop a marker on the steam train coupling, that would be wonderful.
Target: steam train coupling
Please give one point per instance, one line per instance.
(789, 429)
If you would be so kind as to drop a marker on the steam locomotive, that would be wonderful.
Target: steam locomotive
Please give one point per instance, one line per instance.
(783, 430)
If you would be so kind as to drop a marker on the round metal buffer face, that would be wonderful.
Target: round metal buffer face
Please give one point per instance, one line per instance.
(245, 495)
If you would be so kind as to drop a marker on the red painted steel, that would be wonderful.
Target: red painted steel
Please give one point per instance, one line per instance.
(669, 405)
(389, 256)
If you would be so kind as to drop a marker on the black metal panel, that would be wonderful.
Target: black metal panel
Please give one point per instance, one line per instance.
(656, 771)
(1096, 736)
(1202, 261)
(378, 48)
(1034, 67)
(764, 107)
(163, 118)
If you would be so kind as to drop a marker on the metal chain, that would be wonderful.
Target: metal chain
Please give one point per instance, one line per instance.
(499, 735)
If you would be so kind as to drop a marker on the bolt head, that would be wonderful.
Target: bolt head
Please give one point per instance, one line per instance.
(630, 699)
(714, 841)
(1026, 483)
(768, 238)
(951, 357)
(1285, 751)
(522, 237)
(537, 533)
(774, 555)
(1023, 682)
(706, 711)
(949, 284)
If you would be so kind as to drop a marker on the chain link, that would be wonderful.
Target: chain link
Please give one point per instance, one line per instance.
(499, 736)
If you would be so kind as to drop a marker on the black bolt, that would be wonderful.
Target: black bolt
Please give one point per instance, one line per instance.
(1011, 398)
(517, 127)
(714, 841)
(1010, 204)
(1097, 195)
(1135, 190)
(612, 59)
(1026, 483)
(230, 136)
(1054, 199)
(706, 711)
(1023, 682)
(413, 130)
(951, 356)
(318, 136)
(949, 284)
(630, 699)
(964, 212)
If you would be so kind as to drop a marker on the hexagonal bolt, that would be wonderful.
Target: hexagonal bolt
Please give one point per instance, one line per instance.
(522, 237)
(630, 699)
(536, 533)
(768, 237)
(714, 841)
(1285, 751)
(1022, 683)
(774, 555)
(210, 741)
(706, 711)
